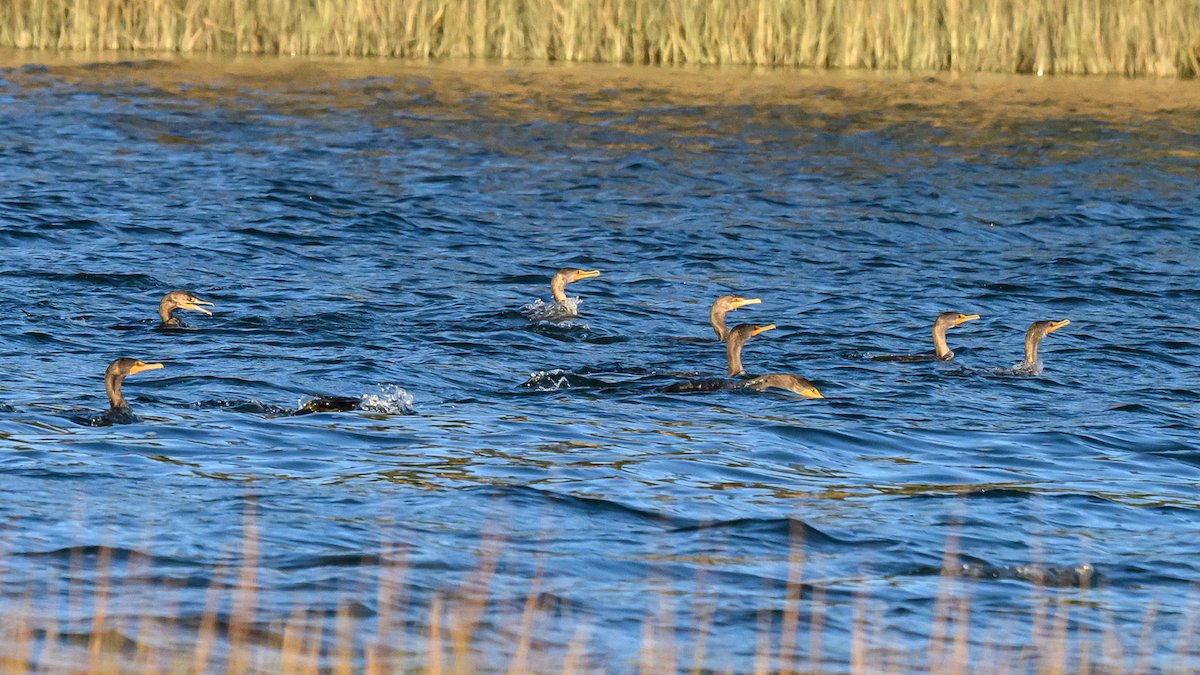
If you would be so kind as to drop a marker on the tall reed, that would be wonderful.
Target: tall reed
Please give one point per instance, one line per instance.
(1127, 37)
(463, 628)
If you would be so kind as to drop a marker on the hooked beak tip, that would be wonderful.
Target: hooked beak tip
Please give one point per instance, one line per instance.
(761, 329)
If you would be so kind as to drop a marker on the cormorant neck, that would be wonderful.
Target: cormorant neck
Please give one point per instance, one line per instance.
(556, 289)
(716, 316)
(733, 352)
(164, 313)
(939, 342)
(1031, 345)
(112, 387)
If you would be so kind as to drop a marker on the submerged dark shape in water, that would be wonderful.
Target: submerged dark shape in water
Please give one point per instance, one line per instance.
(716, 316)
(942, 352)
(330, 404)
(179, 300)
(118, 408)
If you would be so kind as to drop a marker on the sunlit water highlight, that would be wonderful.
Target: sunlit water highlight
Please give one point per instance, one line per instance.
(374, 230)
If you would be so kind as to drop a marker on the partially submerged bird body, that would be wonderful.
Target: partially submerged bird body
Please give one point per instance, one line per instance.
(562, 307)
(179, 300)
(323, 404)
(118, 408)
(945, 320)
(787, 381)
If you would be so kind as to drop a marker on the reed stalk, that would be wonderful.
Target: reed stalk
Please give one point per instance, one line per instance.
(1159, 38)
(442, 638)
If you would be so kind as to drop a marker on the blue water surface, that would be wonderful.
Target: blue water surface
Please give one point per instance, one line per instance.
(373, 230)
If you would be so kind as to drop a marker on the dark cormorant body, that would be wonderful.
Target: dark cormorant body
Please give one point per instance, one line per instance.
(330, 404)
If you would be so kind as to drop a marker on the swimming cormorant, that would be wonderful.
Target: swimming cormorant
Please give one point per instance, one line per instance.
(941, 351)
(118, 408)
(792, 383)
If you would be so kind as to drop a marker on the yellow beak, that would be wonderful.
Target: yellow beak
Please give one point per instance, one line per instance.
(585, 275)
(812, 393)
(194, 305)
(1056, 325)
(742, 302)
(139, 367)
(761, 329)
(965, 317)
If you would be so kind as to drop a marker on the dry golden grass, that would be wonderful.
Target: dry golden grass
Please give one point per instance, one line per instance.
(133, 629)
(1128, 37)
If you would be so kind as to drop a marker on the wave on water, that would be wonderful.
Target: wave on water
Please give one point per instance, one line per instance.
(6, 408)
(391, 399)
(251, 406)
(552, 312)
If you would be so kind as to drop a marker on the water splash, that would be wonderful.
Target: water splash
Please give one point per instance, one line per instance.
(391, 399)
(553, 312)
(1020, 369)
(548, 381)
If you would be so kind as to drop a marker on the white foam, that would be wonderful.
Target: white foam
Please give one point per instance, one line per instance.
(554, 312)
(391, 399)
(548, 381)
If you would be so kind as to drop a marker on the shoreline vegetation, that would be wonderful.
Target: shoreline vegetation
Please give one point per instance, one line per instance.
(1136, 38)
(115, 613)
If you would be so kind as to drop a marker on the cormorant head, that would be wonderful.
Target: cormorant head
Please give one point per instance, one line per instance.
(1041, 329)
(792, 383)
(745, 331)
(727, 303)
(722, 306)
(1037, 331)
(565, 276)
(116, 373)
(180, 300)
(952, 319)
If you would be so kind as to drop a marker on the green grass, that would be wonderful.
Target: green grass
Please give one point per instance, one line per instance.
(1128, 37)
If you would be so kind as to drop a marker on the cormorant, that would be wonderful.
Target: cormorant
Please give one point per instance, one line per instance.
(941, 351)
(179, 300)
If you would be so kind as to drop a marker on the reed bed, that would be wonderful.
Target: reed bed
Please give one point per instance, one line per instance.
(1126, 37)
(124, 623)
